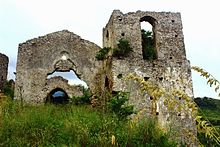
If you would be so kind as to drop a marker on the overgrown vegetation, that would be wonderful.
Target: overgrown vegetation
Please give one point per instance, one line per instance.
(174, 106)
(118, 105)
(149, 51)
(84, 99)
(74, 125)
(123, 49)
(102, 53)
(209, 112)
(8, 89)
(210, 109)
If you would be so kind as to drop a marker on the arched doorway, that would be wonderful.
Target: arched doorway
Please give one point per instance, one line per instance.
(57, 96)
(148, 38)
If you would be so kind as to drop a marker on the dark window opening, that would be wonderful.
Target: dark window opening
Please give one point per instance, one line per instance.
(148, 38)
(107, 35)
(173, 21)
(176, 35)
(161, 78)
(119, 18)
(122, 34)
(119, 76)
(146, 78)
(171, 58)
(157, 113)
(106, 82)
(57, 96)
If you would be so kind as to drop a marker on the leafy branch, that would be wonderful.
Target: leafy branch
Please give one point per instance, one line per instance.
(173, 104)
(102, 53)
(211, 80)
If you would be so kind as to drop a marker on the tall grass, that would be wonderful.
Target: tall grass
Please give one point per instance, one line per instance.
(70, 125)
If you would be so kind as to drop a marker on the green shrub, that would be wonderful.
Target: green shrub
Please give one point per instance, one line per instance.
(123, 49)
(8, 90)
(149, 134)
(84, 99)
(117, 105)
(102, 53)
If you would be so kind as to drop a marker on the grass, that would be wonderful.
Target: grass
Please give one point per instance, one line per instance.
(71, 125)
(210, 109)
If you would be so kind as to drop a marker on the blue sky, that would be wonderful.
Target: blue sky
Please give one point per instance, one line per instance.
(21, 20)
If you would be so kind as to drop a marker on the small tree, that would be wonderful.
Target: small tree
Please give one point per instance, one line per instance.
(117, 105)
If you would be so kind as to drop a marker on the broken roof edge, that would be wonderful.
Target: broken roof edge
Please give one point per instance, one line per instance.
(53, 35)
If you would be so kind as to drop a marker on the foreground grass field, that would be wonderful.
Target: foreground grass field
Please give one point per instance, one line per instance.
(209, 109)
(71, 125)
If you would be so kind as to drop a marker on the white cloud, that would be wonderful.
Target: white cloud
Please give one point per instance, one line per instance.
(77, 82)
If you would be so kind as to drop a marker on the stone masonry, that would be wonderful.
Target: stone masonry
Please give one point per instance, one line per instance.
(171, 69)
(65, 51)
(3, 70)
(60, 51)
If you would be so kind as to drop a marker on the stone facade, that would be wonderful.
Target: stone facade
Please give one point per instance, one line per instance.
(171, 69)
(65, 51)
(3, 69)
(60, 51)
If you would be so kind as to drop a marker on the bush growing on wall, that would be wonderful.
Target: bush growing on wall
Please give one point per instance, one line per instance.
(102, 54)
(123, 48)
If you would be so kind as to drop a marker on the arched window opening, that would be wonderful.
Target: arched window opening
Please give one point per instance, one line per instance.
(57, 96)
(71, 76)
(148, 38)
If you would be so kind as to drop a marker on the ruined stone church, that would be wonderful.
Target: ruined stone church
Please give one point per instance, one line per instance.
(65, 51)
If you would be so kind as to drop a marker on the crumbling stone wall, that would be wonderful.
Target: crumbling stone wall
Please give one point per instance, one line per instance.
(65, 51)
(167, 28)
(59, 51)
(60, 82)
(171, 69)
(3, 69)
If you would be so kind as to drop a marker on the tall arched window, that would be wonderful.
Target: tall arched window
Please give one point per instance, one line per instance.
(148, 38)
